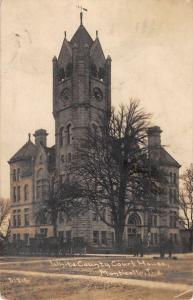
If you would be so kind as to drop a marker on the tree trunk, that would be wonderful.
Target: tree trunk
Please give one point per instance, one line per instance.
(119, 229)
(190, 240)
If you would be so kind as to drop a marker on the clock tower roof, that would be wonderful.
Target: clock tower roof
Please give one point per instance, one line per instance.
(81, 38)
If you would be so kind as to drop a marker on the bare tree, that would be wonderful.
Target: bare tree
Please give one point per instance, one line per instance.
(61, 200)
(4, 214)
(186, 202)
(112, 167)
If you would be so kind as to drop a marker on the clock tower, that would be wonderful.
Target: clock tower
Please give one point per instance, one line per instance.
(81, 92)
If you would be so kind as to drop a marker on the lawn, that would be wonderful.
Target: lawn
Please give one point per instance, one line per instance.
(115, 269)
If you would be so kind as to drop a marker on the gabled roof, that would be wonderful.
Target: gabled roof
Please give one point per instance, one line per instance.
(167, 159)
(81, 37)
(65, 50)
(96, 48)
(26, 152)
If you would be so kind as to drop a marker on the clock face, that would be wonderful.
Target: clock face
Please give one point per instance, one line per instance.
(65, 95)
(97, 94)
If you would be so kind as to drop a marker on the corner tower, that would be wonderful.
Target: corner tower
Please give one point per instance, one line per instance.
(81, 90)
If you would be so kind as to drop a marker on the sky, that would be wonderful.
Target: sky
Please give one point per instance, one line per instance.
(151, 46)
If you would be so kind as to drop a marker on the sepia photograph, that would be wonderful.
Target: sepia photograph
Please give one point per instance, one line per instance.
(96, 150)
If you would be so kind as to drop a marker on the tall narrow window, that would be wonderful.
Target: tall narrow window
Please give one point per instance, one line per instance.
(14, 194)
(19, 217)
(68, 134)
(14, 175)
(69, 70)
(61, 136)
(170, 196)
(18, 193)
(174, 178)
(18, 174)
(26, 192)
(96, 237)
(14, 218)
(26, 216)
(171, 177)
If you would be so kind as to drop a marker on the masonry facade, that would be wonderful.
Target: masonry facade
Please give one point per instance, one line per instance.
(81, 95)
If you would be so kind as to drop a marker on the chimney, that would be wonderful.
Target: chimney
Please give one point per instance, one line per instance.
(41, 137)
(154, 143)
(154, 137)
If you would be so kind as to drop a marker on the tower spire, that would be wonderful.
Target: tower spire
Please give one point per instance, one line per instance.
(81, 13)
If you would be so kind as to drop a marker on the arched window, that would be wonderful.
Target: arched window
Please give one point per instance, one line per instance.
(134, 223)
(61, 136)
(61, 74)
(69, 70)
(26, 192)
(93, 70)
(101, 74)
(68, 134)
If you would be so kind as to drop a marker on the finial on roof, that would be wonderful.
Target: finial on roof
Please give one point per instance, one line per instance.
(97, 34)
(65, 34)
(29, 136)
(81, 13)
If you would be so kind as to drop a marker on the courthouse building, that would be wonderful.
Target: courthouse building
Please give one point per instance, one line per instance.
(81, 94)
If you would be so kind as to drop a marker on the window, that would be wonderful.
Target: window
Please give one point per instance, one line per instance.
(68, 134)
(18, 193)
(112, 238)
(26, 192)
(14, 237)
(68, 235)
(18, 217)
(18, 236)
(175, 196)
(61, 136)
(61, 74)
(170, 177)
(14, 175)
(170, 196)
(174, 178)
(14, 194)
(69, 68)
(60, 217)
(101, 74)
(96, 237)
(26, 238)
(175, 238)
(154, 221)
(62, 158)
(93, 70)
(172, 219)
(104, 237)
(44, 231)
(155, 238)
(14, 218)
(18, 174)
(61, 234)
(26, 216)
